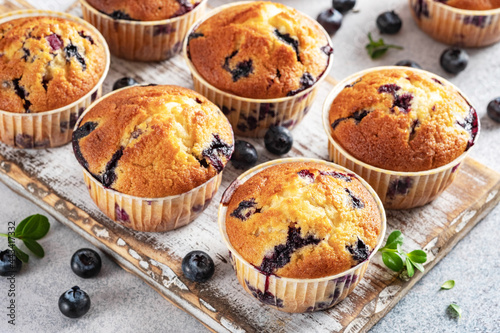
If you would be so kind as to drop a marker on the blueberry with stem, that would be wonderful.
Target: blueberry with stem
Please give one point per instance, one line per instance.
(197, 266)
(74, 303)
(331, 20)
(124, 82)
(389, 23)
(494, 109)
(86, 263)
(244, 155)
(343, 6)
(9, 263)
(408, 63)
(454, 60)
(278, 140)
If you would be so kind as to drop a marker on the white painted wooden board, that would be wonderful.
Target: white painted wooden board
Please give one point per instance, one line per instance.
(435, 227)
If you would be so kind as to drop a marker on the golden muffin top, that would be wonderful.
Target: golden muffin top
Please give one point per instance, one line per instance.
(473, 4)
(153, 141)
(260, 50)
(47, 63)
(403, 120)
(303, 220)
(144, 10)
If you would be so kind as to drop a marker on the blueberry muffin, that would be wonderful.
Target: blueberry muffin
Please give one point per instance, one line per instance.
(144, 10)
(260, 50)
(47, 63)
(472, 4)
(303, 220)
(402, 120)
(153, 141)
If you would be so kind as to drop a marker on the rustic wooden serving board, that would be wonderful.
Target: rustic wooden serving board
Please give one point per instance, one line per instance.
(53, 179)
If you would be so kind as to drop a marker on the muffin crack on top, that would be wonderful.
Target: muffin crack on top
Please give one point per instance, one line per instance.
(47, 63)
(403, 120)
(302, 220)
(260, 50)
(153, 141)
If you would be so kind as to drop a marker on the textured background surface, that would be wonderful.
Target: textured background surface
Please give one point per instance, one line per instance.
(123, 303)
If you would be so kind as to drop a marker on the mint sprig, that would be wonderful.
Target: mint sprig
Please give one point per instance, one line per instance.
(377, 49)
(30, 230)
(396, 259)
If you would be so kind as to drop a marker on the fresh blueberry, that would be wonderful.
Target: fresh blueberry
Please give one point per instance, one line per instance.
(9, 263)
(389, 23)
(454, 60)
(408, 63)
(124, 82)
(494, 109)
(343, 6)
(197, 266)
(86, 263)
(331, 20)
(278, 140)
(244, 155)
(74, 303)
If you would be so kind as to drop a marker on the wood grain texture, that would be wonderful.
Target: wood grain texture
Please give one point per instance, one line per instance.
(52, 179)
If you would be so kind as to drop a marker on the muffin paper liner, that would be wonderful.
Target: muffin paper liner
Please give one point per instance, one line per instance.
(289, 294)
(143, 40)
(149, 214)
(454, 26)
(48, 128)
(152, 214)
(397, 190)
(253, 117)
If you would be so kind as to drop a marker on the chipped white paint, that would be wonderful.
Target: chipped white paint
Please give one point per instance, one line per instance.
(491, 196)
(368, 309)
(102, 233)
(465, 219)
(386, 296)
(208, 306)
(170, 278)
(134, 254)
(356, 325)
(458, 218)
(233, 328)
(120, 242)
(428, 249)
(144, 264)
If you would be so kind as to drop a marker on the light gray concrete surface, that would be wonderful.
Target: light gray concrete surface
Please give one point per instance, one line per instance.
(123, 303)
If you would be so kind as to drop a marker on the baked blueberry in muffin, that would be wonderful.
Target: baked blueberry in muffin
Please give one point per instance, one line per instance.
(302, 220)
(153, 141)
(47, 63)
(403, 120)
(144, 10)
(260, 50)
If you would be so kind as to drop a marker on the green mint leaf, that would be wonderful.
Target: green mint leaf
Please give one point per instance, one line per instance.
(377, 49)
(448, 285)
(34, 247)
(418, 256)
(20, 254)
(418, 266)
(393, 261)
(35, 227)
(21, 225)
(409, 267)
(400, 251)
(455, 310)
(395, 238)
